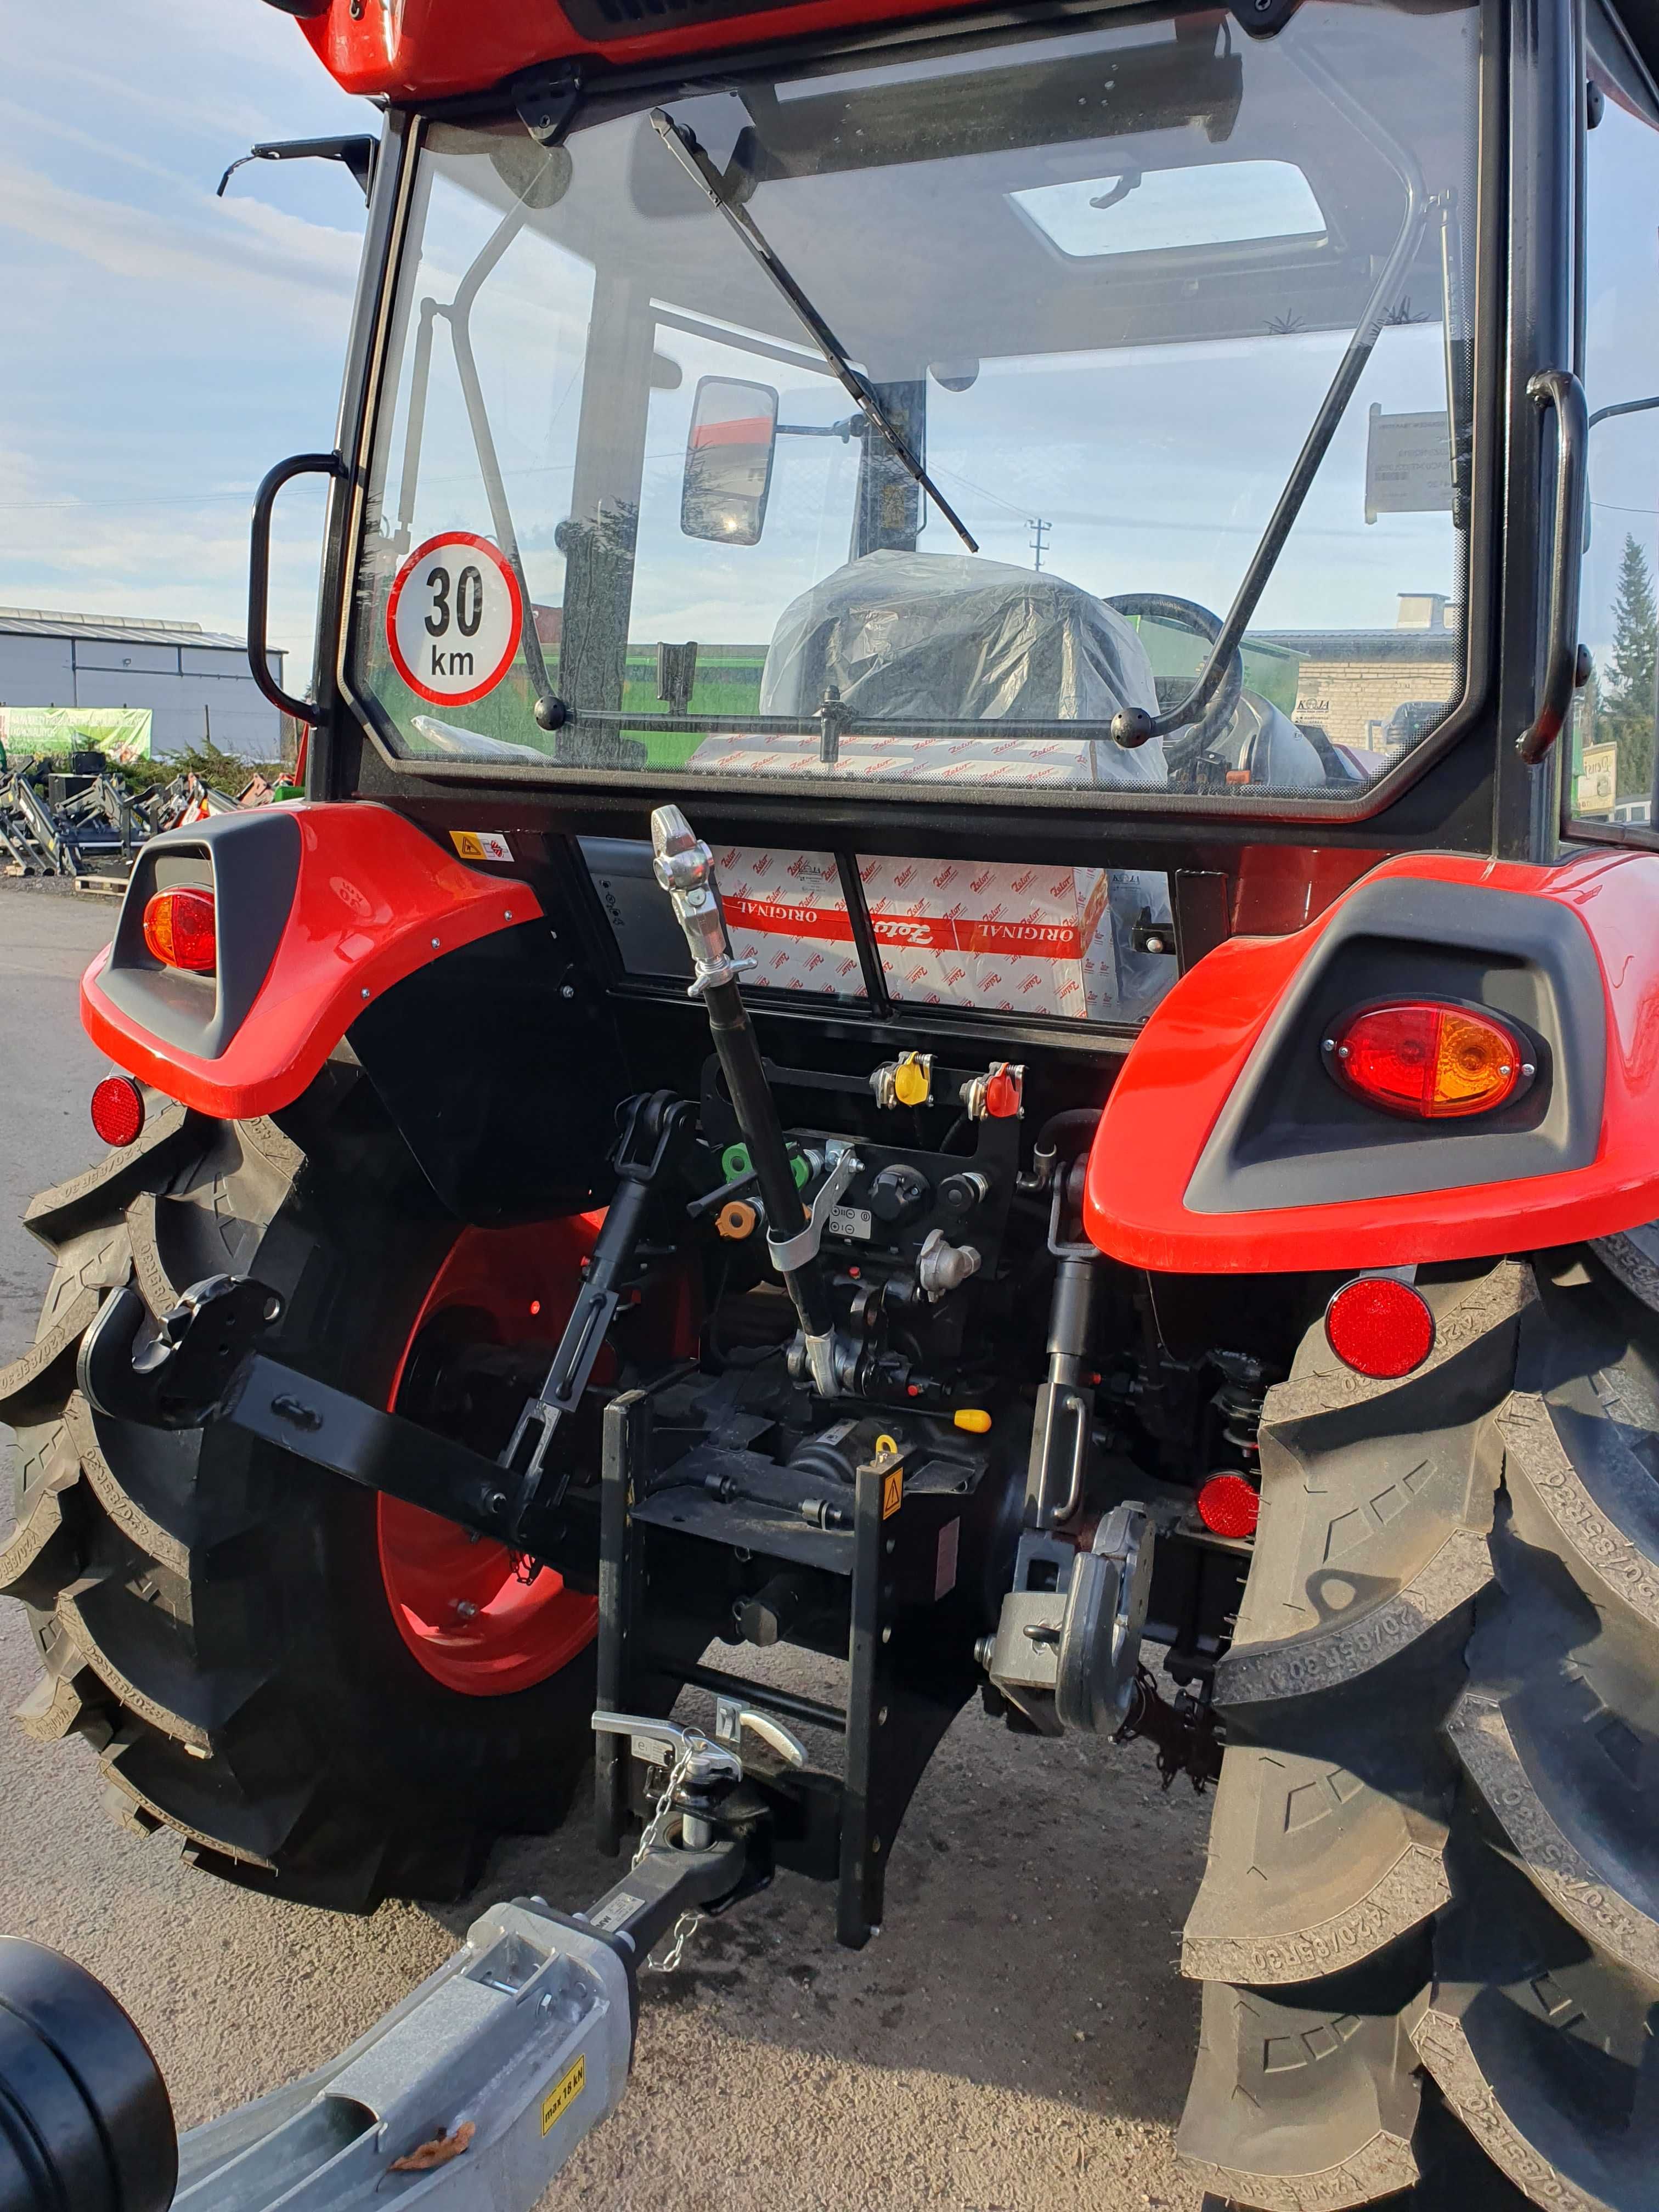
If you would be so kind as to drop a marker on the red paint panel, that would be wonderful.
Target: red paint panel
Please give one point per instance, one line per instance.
(1285, 887)
(1192, 1050)
(374, 901)
(428, 48)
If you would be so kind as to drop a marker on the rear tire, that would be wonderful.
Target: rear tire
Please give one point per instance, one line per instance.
(209, 1614)
(1428, 1926)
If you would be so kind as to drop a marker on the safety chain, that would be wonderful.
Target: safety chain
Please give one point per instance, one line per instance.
(688, 1924)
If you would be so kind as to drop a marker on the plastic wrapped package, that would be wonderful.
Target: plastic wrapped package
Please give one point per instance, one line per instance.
(921, 637)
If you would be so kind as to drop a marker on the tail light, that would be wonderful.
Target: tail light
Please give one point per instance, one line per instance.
(1380, 1326)
(178, 928)
(1423, 1058)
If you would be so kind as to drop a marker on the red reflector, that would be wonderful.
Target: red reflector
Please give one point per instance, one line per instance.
(1419, 1057)
(118, 1109)
(1227, 1506)
(1380, 1326)
(179, 929)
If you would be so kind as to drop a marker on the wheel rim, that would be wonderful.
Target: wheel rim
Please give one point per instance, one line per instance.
(517, 1633)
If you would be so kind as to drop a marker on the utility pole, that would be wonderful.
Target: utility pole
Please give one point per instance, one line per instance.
(1041, 526)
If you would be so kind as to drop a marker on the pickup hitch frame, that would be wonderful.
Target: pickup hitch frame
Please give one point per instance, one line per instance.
(470, 2095)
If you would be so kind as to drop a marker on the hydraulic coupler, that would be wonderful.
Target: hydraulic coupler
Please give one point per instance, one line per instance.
(685, 869)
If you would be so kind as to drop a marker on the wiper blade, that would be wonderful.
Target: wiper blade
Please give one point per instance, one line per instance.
(684, 146)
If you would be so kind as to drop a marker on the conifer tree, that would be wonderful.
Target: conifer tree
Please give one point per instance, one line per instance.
(1628, 692)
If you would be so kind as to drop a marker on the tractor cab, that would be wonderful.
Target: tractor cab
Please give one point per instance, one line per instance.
(820, 415)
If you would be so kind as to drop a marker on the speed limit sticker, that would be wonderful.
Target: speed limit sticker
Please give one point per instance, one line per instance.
(453, 619)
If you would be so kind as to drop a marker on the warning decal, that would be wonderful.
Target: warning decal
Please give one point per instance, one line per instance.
(481, 844)
(453, 619)
(564, 2093)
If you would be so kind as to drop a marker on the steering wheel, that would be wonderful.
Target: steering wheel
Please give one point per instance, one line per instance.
(1183, 749)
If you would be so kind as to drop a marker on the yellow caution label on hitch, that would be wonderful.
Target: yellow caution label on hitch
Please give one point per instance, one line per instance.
(564, 2093)
(892, 1492)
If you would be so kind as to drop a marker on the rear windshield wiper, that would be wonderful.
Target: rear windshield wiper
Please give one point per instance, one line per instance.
(683, 144)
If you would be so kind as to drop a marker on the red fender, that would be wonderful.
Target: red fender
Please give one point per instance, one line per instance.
(1199, 1045)
(374, 899)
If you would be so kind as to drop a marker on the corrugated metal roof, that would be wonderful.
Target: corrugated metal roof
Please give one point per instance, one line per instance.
(114, 629)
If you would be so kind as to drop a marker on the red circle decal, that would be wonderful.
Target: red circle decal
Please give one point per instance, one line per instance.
(453, 619)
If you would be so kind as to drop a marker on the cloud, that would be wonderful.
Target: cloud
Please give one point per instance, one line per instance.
(180, 561)
(286, 267)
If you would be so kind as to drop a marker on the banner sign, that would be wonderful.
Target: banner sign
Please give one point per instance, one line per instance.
(121, 733)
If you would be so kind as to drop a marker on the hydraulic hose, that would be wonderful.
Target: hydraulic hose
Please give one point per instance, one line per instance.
(685, 868)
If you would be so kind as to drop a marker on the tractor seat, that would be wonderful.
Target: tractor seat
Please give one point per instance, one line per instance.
(921, 637)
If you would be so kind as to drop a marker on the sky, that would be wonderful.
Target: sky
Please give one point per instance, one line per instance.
(164, 348)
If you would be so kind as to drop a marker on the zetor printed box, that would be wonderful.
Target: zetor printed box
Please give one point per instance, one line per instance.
(1011, 937)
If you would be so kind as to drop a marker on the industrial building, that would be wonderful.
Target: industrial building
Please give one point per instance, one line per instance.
(1377, 689)
(195, 682)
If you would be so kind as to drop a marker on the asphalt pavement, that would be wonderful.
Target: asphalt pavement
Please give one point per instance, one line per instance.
(1016, 2039)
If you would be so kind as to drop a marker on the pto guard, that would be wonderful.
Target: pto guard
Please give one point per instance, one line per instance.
(1178, 1172)
(320, 910)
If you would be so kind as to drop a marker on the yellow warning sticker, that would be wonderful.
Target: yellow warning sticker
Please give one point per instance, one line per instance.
(481, 844)
(564, 2093)
(892, 1492)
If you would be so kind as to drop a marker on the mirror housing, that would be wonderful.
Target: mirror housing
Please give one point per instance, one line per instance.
(728, 460)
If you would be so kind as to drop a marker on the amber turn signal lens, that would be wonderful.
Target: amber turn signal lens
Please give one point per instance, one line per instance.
(1421, 1057)
(179, 929)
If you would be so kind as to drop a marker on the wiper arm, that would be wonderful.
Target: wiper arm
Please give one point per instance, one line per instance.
(682, 145)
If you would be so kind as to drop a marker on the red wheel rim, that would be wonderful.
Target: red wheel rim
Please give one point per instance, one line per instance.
(516, 1633)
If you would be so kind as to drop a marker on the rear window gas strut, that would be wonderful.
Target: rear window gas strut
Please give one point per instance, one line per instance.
(1134, 725)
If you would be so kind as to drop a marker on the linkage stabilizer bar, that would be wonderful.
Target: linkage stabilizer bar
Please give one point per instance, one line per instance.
(206, 1365)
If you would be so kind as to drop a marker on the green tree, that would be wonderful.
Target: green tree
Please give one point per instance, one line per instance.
(1628, 692)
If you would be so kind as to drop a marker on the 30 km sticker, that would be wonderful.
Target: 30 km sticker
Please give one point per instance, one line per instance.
(453, 619)
(563, 2094)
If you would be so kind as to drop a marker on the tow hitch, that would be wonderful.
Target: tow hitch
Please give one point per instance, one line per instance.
(467, 2097)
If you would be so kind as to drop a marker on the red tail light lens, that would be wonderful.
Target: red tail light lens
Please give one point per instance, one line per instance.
(1421, 1057)
(1227, 1506)
(118, 1109)
(1380, 1326)
(179, 929)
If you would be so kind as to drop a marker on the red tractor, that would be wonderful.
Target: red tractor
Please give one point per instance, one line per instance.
(831, 1059)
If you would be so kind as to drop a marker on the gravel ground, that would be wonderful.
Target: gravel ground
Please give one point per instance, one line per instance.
(1017, 2038)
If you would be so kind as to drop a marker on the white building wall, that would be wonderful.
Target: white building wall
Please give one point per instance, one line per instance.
(192, 690)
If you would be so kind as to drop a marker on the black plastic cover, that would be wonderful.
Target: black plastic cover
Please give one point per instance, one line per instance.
(1290, 1135)
(250, 862)
(500, 1067)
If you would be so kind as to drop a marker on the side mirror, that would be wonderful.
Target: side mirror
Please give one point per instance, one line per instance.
(728, 460)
